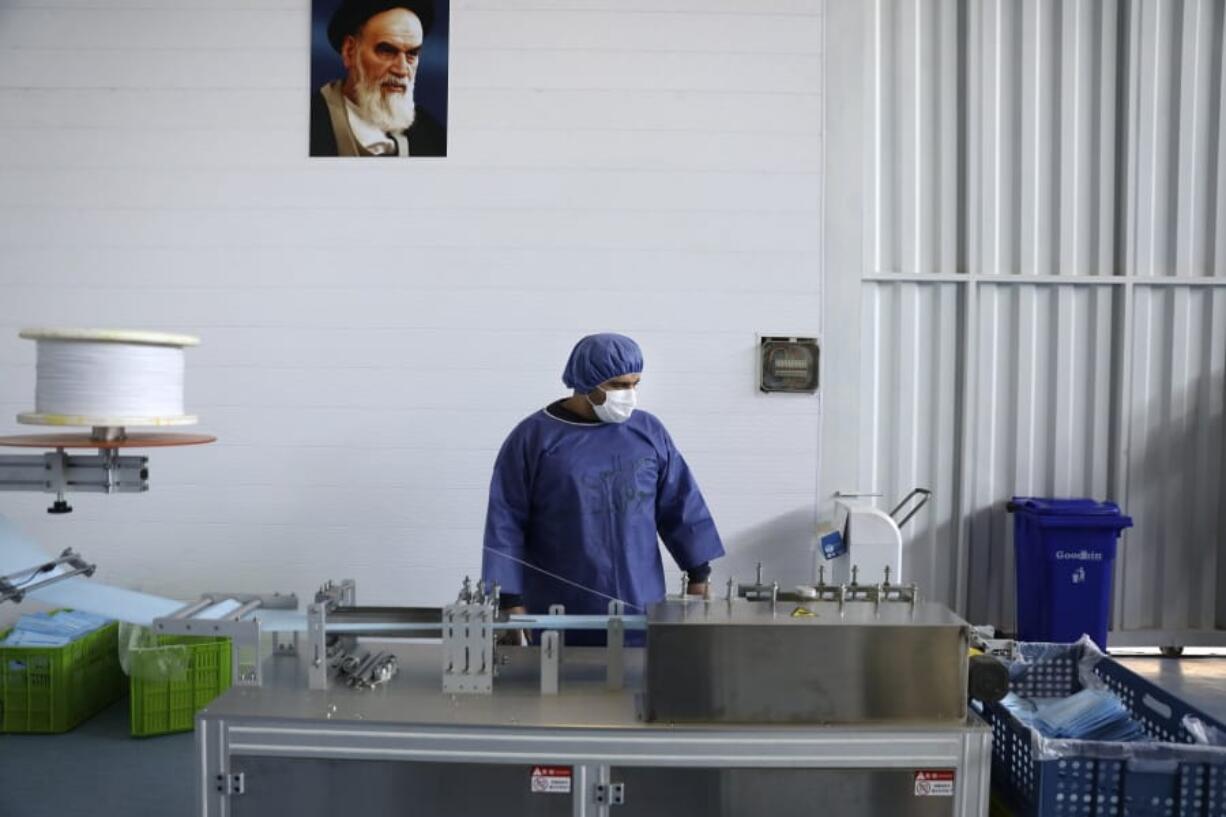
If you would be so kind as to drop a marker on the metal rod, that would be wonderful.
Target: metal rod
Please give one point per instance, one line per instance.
(245, 609)
(10, 592)
(189, 610)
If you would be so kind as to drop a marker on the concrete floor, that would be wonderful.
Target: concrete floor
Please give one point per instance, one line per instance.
(1199, 681)
(98, 770)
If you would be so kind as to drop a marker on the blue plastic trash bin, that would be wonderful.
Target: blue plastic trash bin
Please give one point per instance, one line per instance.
(1065, 552)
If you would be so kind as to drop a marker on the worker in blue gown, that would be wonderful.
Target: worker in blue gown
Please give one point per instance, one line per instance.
(582, 489)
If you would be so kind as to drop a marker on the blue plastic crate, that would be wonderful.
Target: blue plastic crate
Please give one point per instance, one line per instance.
(1094, 779)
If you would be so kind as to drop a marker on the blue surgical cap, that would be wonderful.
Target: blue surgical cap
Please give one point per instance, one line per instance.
(597, 358)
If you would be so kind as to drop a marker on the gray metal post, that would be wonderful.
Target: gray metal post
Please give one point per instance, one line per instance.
(558, 610)
(616, 646)
(550, 658)
(245, 667)
(317, 646)
(585, 778)
(211, 793)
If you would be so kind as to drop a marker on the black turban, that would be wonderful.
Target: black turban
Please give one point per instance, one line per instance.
(352, 14)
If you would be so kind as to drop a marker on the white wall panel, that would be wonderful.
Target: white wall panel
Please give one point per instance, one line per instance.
(499, 110)
(911, 414)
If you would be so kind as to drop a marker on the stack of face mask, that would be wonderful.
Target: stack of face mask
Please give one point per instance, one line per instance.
(1092, 714)
(1021, 708)
(56, 630)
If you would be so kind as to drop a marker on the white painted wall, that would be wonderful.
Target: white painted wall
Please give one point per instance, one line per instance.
(372, 330)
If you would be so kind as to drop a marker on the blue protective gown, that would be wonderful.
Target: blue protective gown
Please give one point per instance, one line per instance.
(585, 502)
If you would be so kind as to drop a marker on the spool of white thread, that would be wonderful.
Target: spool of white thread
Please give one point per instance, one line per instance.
(107, 378)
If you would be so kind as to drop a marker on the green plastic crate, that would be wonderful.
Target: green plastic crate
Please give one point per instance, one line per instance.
(174, 680)
(52, 689)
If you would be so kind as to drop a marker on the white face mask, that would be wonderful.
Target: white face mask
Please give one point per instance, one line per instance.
(618, 405)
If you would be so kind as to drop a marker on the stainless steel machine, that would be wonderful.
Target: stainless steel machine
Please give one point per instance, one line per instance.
(847, 699)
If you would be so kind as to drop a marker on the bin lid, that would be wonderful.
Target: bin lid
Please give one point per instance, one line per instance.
(1076, 512)
(1045, 506)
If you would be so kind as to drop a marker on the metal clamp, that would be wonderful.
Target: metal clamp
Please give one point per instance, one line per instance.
(610, 794)
(468, 641)
(372, 670)
(57, 472)
(14, 586)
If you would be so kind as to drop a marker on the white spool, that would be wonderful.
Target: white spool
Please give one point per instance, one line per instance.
(106, 378)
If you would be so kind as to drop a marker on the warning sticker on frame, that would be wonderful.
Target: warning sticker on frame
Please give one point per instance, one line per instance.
(934, 783)
(551, 779)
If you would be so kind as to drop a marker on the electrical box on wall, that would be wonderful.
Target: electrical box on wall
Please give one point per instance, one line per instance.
(788, 364)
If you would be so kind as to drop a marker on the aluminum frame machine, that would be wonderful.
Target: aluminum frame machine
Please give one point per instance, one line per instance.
(825, 699)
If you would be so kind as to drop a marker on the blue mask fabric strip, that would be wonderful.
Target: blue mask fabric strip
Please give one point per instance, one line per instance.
(18, 553)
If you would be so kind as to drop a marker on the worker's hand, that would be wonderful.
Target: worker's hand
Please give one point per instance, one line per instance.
(697, 589)
(514, 638)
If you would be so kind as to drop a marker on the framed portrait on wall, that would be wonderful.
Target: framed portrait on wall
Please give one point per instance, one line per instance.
(379, 78)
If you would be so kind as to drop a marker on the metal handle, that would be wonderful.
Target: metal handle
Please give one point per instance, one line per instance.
(924, 492)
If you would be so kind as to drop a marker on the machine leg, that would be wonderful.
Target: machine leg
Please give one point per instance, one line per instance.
(212, 799)
(586, 779)
(973, 791)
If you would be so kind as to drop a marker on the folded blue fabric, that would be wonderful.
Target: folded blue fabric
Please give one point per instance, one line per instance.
(43, 630)
(1092, 714)
(21, 638)
(1021, 708)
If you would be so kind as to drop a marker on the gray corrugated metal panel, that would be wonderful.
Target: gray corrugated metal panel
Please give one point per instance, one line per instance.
(1218, 233)
(909, 398)
(1041, 120)
(1042, 411)
(1175, 120)
(1094, 145)
(1171, 562)
(915, 112)
(1200, 115)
